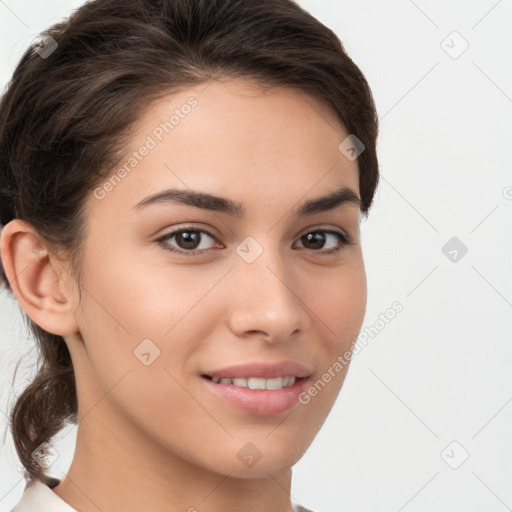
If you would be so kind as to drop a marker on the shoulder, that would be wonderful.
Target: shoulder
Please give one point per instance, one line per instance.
(39, 497)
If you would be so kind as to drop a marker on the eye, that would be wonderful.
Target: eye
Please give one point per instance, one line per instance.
(189, 241)
(318, 237)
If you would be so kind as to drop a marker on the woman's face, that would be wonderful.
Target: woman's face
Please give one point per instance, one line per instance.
(265, 286)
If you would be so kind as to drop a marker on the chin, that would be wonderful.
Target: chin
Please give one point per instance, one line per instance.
(247, 461)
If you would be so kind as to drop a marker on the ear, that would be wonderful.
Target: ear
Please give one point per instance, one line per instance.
(37, 279)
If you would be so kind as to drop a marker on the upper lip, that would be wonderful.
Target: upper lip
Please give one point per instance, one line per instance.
(262, 370)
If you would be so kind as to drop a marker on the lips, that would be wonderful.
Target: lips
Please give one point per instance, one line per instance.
(241, 386)
(258, 402)
(261, 370)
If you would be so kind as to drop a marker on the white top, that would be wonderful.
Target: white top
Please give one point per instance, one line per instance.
(38, 497)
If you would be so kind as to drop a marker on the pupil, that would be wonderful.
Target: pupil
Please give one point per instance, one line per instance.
(188, 238)
(318, 237)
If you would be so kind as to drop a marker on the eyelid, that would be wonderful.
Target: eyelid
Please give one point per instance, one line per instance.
(324, 227)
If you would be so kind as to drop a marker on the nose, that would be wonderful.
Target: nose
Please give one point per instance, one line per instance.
(266, 299)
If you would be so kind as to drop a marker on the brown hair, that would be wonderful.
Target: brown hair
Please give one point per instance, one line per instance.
(65, 117)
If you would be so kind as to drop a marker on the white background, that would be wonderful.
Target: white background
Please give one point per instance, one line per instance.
(440, 371)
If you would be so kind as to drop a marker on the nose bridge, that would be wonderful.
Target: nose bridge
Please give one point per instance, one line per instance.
(262, 266)
(266, 299)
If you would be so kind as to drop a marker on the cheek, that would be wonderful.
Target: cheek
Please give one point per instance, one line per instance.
(136, 313)
(340, 306)
(339, 303)
(139, 333)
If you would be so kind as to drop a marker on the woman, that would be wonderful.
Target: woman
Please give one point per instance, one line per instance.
(182, 184)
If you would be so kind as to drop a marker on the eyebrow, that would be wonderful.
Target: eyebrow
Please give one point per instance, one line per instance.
(339, 197)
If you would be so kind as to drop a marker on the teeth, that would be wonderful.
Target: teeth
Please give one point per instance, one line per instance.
(276, 383)
(258, 383)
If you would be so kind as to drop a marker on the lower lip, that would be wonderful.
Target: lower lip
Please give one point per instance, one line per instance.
(260, 402)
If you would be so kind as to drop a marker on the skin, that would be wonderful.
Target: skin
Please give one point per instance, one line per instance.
(155, 437)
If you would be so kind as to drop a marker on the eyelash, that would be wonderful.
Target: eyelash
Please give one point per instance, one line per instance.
(344, 240)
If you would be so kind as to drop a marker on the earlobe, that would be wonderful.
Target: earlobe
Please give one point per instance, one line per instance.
(31, 271)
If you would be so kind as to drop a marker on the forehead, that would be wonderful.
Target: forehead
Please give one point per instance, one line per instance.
(235, 139)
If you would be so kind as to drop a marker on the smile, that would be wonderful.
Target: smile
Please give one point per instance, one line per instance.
(256, 382)
(257, 396)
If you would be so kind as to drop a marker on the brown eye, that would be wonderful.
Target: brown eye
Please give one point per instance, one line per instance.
(316, 240)
(187, 239)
